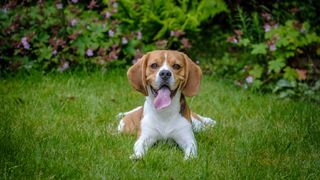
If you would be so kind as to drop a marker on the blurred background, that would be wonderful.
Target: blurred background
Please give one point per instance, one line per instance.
(268, 46)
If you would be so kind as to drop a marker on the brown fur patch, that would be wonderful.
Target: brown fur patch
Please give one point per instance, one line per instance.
(172, 58)
(132, 122)
(184, 109)
(196, 116)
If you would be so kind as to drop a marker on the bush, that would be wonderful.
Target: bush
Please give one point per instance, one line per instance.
(269, 46)
(58, 35)
(274, 56)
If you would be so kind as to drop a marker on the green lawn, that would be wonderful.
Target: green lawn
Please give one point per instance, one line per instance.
(64, 126)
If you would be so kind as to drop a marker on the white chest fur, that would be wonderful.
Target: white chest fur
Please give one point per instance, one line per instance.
(163, 124)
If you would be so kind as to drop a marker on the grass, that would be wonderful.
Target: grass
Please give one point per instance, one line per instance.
(64, 126)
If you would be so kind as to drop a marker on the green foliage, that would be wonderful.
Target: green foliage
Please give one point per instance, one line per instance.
(278, 56)
(58, 35)
(259, 49)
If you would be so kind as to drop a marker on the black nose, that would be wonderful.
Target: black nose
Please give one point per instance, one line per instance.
(165, 74)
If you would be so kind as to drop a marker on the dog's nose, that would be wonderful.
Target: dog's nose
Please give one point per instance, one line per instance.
(165, 74)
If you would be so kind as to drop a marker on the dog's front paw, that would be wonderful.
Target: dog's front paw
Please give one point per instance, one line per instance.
(189, 157)
(135, 157)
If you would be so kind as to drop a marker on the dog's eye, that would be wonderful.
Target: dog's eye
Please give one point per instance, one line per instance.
(176, 66)
(154, 66)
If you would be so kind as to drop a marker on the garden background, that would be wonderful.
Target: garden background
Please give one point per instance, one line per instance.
(63, 80)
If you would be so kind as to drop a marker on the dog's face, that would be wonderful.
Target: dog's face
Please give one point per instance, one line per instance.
(165, 70)
(163, 73)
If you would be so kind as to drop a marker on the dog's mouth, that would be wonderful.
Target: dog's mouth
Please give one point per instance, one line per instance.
(163, 96)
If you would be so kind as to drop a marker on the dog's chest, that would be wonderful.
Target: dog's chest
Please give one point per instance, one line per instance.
(163, 127)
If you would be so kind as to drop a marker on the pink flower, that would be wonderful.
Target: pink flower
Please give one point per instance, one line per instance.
(177, 33)
(232, 39)
(266, 27)
(74, 1)
(266, 16)
(249, 79)
(272, 47)
(89, 52)
(111, 33)
(25, 43)
(73, 22)
(115, 5)
(59, 5)
(139, 35)
(63, 66)
(171, 33)
(185, 43)
(124, 40)
(54, 52)
(107, 15)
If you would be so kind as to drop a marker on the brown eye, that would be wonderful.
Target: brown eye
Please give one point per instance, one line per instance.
(154, 66)
(176, 66)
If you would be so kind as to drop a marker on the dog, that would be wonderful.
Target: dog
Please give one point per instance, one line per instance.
(165, 77)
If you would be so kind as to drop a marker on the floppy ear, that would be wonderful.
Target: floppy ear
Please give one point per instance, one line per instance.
(193, 77)
(136, 75)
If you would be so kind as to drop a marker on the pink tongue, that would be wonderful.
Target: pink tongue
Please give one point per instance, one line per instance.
(163, 98)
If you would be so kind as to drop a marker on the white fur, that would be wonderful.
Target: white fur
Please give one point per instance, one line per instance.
(158, 80)
(164, 124)
(201, 125)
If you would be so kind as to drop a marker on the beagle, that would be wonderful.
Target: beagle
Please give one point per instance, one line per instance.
(165, 77)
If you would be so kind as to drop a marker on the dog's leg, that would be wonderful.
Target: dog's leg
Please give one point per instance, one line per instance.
(130, 121)
(141, 146)
(199, 123)
(185, 139)
(122, 114)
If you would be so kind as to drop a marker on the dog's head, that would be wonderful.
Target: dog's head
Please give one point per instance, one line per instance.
(163, 73)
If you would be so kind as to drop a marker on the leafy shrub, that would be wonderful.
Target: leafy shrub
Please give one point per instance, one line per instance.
(50, 35)
(284, 60)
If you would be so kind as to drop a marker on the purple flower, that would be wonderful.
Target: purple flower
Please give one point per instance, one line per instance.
(64, 65)
(115, 5)
(25, 43)
(74, 1)
(185, 43)
(249, 79)
(139, 35)
(172, 33)
(89, 52)
(111, 33)
(73, 22)
(59, 5)
(266, 27)
(107, 15)
(124, 40)
(54, 52)
(272, 47)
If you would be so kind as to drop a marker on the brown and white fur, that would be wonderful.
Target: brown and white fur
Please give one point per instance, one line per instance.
(182, 76)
